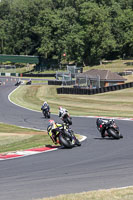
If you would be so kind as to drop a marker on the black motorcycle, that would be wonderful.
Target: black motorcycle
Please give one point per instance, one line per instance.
(45, 111)
(28, 82)
(67, 119)
(67, 137)
(108, 127)
(18, 83)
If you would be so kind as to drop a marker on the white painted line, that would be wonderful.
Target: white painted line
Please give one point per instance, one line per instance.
(23, 153)
(18, 104)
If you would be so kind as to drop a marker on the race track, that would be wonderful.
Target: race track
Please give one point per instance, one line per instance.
(97, 164)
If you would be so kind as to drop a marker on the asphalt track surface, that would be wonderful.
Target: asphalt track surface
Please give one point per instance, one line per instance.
(97, 164)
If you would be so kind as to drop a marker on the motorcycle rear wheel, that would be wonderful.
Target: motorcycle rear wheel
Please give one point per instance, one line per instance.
(69, 121)
(48, 115)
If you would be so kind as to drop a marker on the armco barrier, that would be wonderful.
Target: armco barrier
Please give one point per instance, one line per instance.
(83, 91)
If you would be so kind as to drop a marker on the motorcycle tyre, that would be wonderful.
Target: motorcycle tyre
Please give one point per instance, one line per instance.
(48, 115)
(64, 142)
(113, 133)
(44, 114)
(77, 142)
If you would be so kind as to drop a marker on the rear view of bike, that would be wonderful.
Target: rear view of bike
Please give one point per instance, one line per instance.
(67, 119)
(108, 127)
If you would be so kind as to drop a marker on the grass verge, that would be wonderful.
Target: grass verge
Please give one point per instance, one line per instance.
(14, 138)
(112, 104)
(114, 66)
(111, 194)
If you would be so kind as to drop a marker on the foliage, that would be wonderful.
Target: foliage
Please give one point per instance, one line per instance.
(85, 30)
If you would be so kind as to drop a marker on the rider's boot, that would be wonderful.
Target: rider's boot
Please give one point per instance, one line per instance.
(77, 142)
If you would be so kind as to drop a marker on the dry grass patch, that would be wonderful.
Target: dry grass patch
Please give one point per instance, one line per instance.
(14, 138)
(115, 104)
(114, 66)
(111, 194)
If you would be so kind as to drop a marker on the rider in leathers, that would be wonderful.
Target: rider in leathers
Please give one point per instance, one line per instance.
(45, 104)
(62, 112)
(53, 128)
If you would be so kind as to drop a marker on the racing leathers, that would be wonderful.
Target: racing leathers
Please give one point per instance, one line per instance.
(53, 130)
(62, 112)
(45, 106)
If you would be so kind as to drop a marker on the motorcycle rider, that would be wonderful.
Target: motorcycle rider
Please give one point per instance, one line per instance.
(45, 104)
(29, 81)
(100, 122)
(103, 123)
(62, 112)
(19, 82)
(52, 130)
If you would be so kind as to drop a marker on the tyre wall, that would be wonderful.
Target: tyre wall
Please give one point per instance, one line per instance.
(83, 91)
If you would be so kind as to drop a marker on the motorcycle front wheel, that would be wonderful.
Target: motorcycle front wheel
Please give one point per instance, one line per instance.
(65, 141)
(113, 133)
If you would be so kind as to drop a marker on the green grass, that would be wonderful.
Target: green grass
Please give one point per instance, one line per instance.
(20, 143)
(14, 138)
(114, 66)
(113, 104)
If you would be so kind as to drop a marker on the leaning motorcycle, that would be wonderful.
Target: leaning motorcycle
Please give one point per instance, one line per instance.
(45, 111)
(65, 136)
(29, 82)
(66, 118)
(18, 83)
(108, 127)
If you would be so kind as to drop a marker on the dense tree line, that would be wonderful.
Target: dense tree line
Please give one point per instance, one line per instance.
(85, 30)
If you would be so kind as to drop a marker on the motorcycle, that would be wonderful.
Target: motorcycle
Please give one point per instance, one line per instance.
(45, 111)
(108, 127)
(18, 83)
(29, 82)
(65, 136)
(66, 118)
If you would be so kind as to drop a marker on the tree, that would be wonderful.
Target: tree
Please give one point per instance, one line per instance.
(98, 38)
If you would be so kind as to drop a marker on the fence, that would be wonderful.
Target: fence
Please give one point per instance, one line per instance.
(83, 91)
